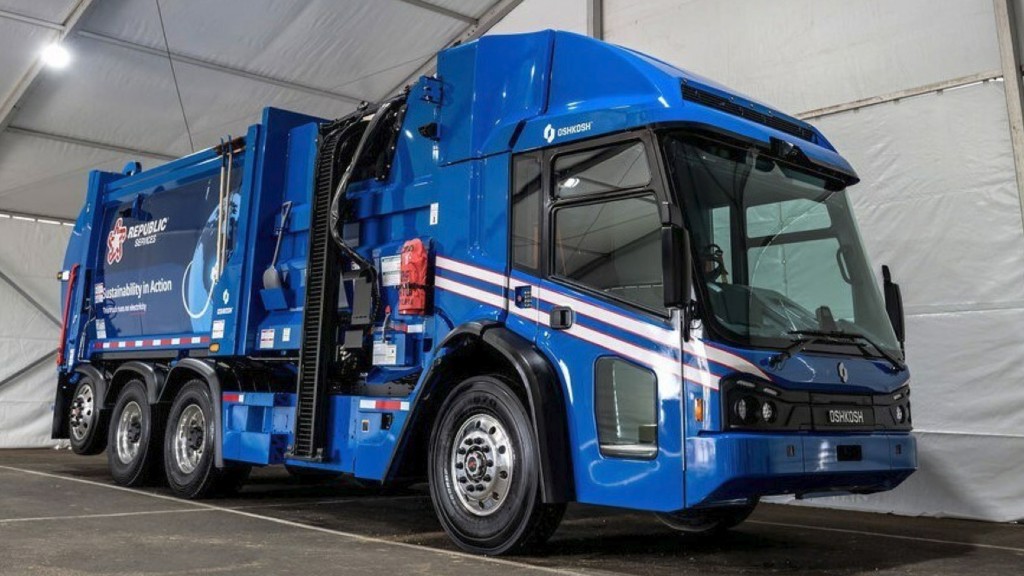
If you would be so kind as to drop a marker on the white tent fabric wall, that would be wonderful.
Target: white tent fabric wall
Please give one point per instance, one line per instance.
(31, 253)
(938, 202)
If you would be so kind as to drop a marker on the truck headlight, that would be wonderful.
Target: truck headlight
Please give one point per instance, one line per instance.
(746, 409)
(768, 411)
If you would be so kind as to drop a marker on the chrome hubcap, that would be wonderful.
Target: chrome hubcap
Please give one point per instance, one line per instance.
(129, 432)
(482, 464)
(81, 412)
(189, 438)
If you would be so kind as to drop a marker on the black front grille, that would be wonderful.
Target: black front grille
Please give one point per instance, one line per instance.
(747, 112)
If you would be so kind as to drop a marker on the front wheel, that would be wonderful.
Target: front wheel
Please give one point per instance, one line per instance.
(484, 471)
(189, 447)
(709, 520)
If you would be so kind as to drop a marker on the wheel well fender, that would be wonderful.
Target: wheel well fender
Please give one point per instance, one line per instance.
(547, 407)
(66, 384)
(193, 368)
(152, 377)
(473, 348)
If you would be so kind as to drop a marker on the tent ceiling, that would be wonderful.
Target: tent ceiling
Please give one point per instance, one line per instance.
(232, 58)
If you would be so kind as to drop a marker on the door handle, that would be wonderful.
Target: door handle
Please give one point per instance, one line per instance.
(561, 317)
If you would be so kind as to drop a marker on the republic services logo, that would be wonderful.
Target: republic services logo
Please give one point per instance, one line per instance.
(115, 242)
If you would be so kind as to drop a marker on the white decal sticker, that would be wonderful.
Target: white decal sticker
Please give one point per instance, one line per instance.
(98, 293)
(218, 329)
(286, 334)
(414, 328)
(101, 329)
(267, 338)
(434, 209)
(391, 270)
(385, 354)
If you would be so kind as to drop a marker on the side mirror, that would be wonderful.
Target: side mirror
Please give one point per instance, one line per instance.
(677, 265)
(894, 305)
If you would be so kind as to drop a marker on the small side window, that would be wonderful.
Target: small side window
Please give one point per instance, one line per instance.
(526, 210)
(618, 167)
(626, 409)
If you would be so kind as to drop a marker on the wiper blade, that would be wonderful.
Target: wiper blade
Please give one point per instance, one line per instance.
(799, 344)
(896, 362)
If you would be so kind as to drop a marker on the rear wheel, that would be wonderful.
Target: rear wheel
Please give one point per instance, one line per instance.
(87, 428)
(484, 471)
(189, 447)
(709, 520)
(136, 428)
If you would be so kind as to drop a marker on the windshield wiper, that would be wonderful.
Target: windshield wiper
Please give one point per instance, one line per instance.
(815, 335)
(796, 347)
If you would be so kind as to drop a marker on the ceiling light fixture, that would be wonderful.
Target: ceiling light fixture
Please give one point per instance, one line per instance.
(56, 56)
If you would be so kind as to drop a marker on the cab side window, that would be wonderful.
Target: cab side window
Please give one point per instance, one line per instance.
(606, 224)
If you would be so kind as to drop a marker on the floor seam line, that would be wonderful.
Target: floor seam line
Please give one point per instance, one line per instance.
(885, 535)
(349, 535)
(102, 515)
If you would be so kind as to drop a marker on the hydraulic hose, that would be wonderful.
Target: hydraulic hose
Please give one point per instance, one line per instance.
(336, 234)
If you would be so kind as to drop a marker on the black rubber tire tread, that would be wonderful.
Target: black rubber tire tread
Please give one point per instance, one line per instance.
(95, 440)
(206, 480)
(525, 522)
(145, 468)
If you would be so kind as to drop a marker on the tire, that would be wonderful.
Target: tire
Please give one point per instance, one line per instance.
(189, 448)
(87, 423)
(707, 521)
(484, 471)
(134, 437)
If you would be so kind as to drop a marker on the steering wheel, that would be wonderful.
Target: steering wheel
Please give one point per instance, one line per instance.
(713, 261)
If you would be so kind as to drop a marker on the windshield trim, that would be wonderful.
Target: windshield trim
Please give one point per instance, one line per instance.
(835, 183)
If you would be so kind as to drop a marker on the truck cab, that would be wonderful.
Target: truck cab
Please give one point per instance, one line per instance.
(558, 270)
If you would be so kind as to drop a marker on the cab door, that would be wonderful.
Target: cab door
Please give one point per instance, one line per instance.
(595, 295)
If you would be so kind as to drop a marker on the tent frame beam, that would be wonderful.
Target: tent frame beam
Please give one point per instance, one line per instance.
(478, 28)
(10, 105)
(27, 368)
(1013, 86)
(595, 19)
(440, 10)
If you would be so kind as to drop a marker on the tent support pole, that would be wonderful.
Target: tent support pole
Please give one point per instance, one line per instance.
(1009, 56)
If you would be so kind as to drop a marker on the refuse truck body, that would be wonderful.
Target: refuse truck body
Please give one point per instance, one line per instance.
(556, 271)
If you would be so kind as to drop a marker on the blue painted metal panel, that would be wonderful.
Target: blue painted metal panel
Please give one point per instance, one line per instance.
(497, 96)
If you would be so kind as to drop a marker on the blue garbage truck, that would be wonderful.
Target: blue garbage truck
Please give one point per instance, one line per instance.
(556, 271)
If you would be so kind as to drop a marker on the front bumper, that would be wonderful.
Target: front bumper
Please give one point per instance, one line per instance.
(738, 465)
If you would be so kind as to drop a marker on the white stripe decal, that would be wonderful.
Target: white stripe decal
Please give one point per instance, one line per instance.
(472, 271)
(727, 359)
(669, 338)
(496, 300)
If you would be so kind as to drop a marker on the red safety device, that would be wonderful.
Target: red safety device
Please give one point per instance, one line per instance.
(412, 295)
(61, 347)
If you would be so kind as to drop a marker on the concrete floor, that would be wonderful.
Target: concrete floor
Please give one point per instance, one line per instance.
(61, 514)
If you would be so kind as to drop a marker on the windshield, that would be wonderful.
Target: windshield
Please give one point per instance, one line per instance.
(778, 251)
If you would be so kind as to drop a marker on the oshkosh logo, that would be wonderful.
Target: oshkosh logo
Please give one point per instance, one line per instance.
(115, 241)
(550, 132)
(846, 416)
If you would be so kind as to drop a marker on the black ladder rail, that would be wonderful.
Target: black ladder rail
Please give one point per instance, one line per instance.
(319, 316)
